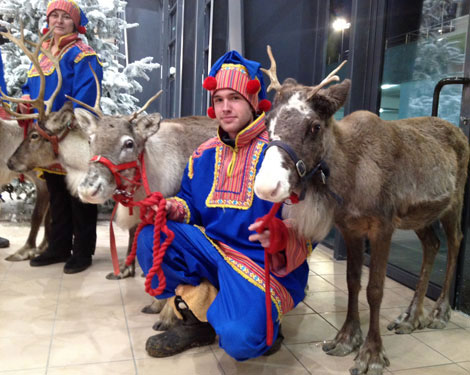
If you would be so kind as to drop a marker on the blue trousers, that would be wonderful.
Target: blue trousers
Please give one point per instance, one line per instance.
(238, 313)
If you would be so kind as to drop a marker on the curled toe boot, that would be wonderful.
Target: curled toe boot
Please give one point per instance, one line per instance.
(187, 333)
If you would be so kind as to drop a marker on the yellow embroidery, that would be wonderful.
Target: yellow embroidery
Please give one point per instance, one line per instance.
(191, 168)
(243, 271)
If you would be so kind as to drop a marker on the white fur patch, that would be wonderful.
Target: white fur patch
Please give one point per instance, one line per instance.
(299, 105)
(272, 180)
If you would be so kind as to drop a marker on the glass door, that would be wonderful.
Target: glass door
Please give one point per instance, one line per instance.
(425, 42)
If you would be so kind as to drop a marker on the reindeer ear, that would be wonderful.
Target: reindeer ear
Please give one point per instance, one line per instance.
(56, 121)
(327, 102)
(148, 125)
(87, 122)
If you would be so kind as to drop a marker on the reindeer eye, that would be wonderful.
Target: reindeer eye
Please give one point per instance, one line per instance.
(316, 127)
(129, 144)
(34, 136)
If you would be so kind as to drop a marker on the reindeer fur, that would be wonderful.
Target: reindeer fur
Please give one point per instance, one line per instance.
(10, 137)
(390, 174)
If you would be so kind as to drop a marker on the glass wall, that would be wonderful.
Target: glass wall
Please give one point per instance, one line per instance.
(425, 42)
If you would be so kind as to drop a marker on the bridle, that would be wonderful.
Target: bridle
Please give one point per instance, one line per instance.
(53, 139)
(124, 193)
(305, 176)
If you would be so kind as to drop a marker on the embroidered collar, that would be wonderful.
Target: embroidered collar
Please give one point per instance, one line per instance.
(63, 41)
(246, 135)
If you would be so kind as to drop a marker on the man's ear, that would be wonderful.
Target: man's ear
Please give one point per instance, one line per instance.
(86, 121)
(148, 125)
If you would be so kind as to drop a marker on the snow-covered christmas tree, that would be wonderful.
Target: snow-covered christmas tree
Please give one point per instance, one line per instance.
(105, 34)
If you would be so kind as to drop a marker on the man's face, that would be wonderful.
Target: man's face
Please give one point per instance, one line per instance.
(232, 111)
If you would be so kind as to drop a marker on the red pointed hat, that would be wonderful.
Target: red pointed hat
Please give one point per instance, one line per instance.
(234, 72)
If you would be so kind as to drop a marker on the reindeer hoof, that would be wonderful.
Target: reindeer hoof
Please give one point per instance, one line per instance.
(369, 362)
(126, 271)
(23, 254)
(339, 349)
(161, 325)
(439, 317)
(405, 323)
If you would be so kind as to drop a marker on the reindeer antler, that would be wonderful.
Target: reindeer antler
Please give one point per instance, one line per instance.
(135, 114)
(332, 77)
(44, 108)
(96, 109)
(271, 72)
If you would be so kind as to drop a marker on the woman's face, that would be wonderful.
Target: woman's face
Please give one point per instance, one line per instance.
(62, 21)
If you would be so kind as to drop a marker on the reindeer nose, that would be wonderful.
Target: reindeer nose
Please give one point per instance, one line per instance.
(267, 191)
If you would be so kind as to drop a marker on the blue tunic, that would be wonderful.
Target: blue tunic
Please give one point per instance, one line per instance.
(2, 77)
(219, 202)
(77, 78)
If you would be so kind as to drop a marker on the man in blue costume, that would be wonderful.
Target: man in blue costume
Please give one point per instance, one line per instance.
(3, 114)
(215, 264)
(73, 229)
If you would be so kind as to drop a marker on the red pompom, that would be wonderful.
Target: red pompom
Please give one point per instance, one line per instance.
(81, 29)
(210, 83)
(264, 105)
(253, 86)
(45, 30)
(211, 112)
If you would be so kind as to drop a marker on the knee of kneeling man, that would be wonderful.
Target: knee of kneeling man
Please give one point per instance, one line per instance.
(242, 342)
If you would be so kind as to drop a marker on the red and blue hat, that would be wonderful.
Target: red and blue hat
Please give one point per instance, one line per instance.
(72, 8)
(232, 71)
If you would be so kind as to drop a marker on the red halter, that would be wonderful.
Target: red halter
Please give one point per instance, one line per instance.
(54, 139)
(124, 194)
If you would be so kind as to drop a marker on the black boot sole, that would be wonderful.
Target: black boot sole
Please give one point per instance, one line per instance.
(179, 339)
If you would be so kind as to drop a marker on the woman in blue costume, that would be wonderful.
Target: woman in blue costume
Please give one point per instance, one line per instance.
(73, 222)
(215, 264)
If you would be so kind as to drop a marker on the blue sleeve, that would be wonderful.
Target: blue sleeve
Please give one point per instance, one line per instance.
(186, 194)
(84, 86)
(2, 77)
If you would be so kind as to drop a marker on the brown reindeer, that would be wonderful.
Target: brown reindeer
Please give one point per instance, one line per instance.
(368, 177)
(11, 136)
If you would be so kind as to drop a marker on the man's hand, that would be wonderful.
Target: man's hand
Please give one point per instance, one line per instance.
(167, 207)
(264, 237)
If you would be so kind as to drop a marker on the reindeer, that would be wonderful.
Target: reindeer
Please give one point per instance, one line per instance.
(10, 137)
(166, 146)
(368, 177)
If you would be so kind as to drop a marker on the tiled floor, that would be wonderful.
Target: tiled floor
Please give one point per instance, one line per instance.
(51, 323)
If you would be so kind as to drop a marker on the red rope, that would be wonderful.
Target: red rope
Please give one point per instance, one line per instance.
(147, 216)
(278, 240)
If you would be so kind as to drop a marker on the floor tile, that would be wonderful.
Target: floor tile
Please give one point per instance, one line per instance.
(319, 284)
(407, 352)
(90, 347)
(115, 368)
(280, 363)
(330, 301)
(465, 365)
(437, 370)
(306, 328)
(316, 361)
(452, 343)
(337, 319)
(16, 353)
(193, 361)
(328, 268)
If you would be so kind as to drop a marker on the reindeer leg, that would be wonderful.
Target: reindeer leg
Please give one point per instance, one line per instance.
(167, 316)
(349, 337)
(125, 271)
(440, 314)
(29, 249)
(371, 358)
(414, 317)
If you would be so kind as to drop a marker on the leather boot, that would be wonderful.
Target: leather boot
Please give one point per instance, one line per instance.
(187, 333)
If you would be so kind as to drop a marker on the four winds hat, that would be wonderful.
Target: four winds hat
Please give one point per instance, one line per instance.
(72, 8)
(234, 72)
